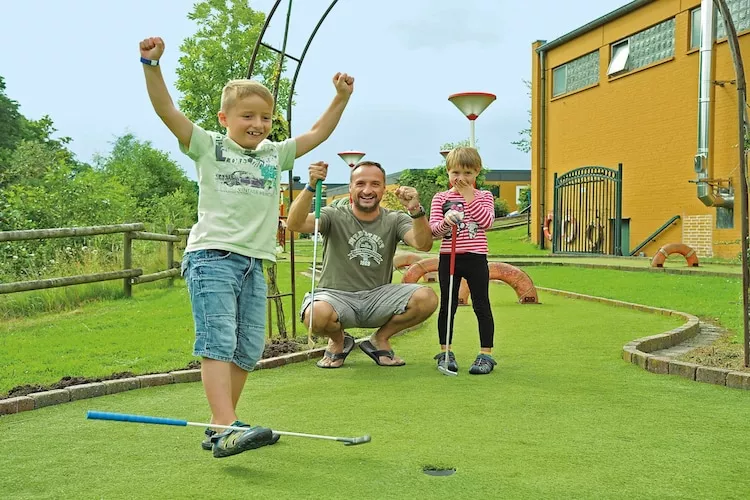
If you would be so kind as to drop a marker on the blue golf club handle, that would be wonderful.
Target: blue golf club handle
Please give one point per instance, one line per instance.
(123, 417)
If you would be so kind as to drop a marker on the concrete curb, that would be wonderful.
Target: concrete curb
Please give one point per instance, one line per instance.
(83, 391)
(614, 267)
(639, 350)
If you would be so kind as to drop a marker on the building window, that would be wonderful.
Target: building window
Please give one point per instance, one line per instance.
(695, 28)
(619, 62)
(740, 12)
(724, 218)
(643, 48)
(738, 9)
(576, 74)
(518, 193)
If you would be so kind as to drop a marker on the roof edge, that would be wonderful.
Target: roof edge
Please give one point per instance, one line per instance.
(596, 23)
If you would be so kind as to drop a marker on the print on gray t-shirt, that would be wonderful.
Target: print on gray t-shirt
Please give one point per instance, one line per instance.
(358, 255)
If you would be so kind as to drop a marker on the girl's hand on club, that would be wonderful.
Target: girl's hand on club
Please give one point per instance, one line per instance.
(318, 172)
(453, 217)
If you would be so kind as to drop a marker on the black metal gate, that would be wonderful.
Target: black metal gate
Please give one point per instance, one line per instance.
(587, 214)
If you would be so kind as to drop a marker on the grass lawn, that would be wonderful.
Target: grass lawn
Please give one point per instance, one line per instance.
(562, 416)
(708, 297)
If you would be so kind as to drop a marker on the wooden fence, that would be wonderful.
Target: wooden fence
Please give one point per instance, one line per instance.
(130, 276)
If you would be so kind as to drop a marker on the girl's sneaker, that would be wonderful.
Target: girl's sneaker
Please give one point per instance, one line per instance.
(482, 365)
(451, 365)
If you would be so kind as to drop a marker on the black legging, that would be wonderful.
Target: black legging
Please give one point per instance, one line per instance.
(472, 267)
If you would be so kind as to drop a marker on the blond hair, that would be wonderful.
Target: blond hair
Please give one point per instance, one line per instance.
(464, 157)
(235, 90)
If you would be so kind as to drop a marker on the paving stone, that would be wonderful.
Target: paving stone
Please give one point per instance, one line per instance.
(49, 398)
(85, 391)
(181, 376)
(122, 385)
(711, 375)
(739, 380)
(155, 379)
(682, 369)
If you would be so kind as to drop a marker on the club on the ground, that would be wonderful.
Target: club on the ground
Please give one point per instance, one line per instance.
(142, 419)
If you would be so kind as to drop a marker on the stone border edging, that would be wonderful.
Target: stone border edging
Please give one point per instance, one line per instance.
(614, 267)
(639, 350)
(38, 400)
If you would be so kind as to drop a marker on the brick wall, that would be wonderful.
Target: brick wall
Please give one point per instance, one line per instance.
(645, 119)
(697, 233)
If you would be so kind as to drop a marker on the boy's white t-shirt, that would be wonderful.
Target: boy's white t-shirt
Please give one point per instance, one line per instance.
(239, 189)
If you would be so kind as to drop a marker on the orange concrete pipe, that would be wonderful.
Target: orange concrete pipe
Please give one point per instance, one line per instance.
(669, 249)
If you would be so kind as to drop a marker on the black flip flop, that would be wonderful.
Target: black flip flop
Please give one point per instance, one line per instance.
(374, 354)
(349, 344)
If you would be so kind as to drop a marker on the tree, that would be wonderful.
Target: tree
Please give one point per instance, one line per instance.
(524, 199)
(148, 173)
(220, 51)
(427, 182)
(524, 143)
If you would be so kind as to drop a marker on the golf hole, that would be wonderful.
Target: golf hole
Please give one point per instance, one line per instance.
(431, 470)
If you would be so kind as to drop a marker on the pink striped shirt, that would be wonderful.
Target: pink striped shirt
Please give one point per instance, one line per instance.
(478, 216)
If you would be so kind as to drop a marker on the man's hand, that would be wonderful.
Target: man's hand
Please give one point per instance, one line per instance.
(408, 197)
(465, 189)
(152, 48)
(453, 217)
(318, 172)
(344, 84)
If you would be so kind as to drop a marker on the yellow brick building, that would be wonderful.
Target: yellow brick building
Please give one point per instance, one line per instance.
(624, 89)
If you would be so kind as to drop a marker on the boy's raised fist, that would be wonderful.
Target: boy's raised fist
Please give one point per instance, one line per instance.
(152, 48)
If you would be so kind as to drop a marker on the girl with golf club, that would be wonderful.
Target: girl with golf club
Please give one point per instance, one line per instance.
(238, 212)
(461, 215)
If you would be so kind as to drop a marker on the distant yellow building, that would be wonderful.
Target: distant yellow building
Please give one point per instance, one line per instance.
(504, 184)
(624, 90)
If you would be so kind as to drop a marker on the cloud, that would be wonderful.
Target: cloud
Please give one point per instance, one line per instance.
(439, 25)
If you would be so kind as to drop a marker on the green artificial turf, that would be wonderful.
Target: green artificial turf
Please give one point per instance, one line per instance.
(562, 416)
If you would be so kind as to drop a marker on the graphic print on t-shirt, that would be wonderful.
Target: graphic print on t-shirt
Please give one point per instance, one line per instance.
(472, 228)
(365, 246)
(251, 176)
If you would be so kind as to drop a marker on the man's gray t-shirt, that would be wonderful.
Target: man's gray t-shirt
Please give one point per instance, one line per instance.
(358, 255)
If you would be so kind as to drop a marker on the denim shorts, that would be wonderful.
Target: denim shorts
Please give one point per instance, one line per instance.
(228, 298)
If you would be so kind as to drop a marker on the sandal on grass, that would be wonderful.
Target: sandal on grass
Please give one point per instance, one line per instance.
(375, 354)
(335, 356)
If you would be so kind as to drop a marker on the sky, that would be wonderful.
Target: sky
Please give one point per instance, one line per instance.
(78, 62)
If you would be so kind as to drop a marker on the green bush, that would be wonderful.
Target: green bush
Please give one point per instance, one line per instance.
(501, 208)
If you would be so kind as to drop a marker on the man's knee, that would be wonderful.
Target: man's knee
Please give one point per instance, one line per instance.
(424, 302)
(324, 316)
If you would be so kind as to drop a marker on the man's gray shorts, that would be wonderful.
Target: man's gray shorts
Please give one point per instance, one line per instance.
(366, 308)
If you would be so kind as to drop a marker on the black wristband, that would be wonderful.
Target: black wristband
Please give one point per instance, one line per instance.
(309, 188)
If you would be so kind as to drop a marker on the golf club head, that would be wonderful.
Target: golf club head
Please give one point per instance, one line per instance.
(357, 440)
(445, 371)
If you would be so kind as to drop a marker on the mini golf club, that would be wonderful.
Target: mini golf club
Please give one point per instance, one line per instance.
(142, 419)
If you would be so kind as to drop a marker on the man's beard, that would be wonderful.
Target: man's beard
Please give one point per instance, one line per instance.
(365, 209)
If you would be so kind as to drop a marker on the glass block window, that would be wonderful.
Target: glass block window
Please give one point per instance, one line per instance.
(576, 74)
(740, 12)
(643, 48)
